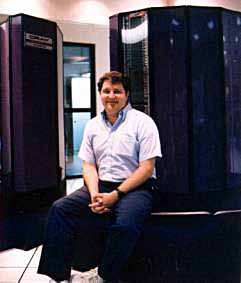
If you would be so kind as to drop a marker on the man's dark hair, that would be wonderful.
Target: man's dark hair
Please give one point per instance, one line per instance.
(114, 77)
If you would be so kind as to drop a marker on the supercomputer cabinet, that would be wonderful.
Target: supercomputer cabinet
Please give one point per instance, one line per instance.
(31, 106)
(185, 68)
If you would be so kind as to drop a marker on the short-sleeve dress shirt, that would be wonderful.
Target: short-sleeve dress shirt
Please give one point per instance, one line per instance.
(117, 149)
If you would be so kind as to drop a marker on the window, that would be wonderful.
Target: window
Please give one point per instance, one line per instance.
(79, 100)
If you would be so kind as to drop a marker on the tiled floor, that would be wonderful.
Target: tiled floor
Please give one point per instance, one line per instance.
(17, 266)
(20, 266)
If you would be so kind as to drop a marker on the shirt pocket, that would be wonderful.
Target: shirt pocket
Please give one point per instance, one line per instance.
(126, 145)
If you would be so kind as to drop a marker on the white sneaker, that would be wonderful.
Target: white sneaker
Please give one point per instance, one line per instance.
(85, 277)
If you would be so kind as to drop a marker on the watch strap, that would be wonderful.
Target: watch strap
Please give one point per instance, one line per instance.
(120, 193)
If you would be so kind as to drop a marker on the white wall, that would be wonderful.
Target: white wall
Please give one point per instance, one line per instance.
(87, 11)
(90, 33)
(38, 8)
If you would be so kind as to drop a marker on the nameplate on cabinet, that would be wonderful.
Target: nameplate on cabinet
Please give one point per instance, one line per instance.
(38, 41)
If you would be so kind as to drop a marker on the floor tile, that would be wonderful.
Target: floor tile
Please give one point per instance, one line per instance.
(10, 275)
(35, 260)
(15, 258)
(31, 276)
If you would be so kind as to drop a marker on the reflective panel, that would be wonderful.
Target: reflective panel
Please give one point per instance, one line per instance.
(134, 36)
(61, 105)
(5, 131)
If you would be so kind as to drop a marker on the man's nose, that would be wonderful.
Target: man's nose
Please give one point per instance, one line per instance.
(111, 94)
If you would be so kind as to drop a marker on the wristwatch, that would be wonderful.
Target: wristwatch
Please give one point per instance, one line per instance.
(120, 193)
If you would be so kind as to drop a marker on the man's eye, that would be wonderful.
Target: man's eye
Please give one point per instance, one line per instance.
(108, 91)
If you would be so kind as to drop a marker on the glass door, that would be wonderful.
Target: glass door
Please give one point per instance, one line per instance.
(79, 100)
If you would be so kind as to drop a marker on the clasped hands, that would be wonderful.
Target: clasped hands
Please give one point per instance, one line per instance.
(101, 202)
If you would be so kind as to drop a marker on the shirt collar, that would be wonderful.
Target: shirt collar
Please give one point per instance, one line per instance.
(121, 115)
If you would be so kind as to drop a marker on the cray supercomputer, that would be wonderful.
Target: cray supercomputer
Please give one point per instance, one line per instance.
(185, 68)
(31, 109)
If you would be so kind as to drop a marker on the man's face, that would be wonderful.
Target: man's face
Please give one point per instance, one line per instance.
(113, 97)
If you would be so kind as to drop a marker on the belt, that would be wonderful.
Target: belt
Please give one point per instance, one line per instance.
(109, 184)
(112, 185)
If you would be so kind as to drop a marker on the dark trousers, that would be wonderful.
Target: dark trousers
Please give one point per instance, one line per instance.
(70, 217)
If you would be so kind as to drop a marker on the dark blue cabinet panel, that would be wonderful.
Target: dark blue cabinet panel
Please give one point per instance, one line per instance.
(189, 59)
